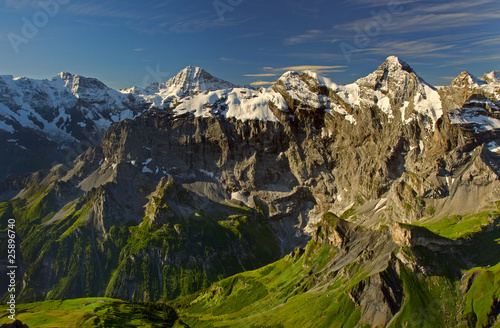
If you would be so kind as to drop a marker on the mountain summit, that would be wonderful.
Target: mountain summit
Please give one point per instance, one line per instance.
(492, 77)
(192, 80)
(394, 63)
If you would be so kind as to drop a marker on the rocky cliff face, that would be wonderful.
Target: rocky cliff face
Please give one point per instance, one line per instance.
(223, 181)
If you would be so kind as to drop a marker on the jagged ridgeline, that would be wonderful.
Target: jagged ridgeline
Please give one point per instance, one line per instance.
(305, 204)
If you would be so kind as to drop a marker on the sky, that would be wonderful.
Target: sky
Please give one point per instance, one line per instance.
(128, 42)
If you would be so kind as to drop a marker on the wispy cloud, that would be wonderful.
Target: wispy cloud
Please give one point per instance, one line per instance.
(317, 56)
(312, 68)
(139, 49)
(198, 25)
(261, 75)
(417, 16)
(311, 36)
(157, 17)
(453, 6)
(473, 59)
(258, 83)
(415, 48)
(413, 21)
(494, 41)
(306, 67)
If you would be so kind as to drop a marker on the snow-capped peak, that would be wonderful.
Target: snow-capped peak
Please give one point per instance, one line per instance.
(288, 75)
(465, 79)
(192, 80)
(64, 76)
(393, 63)
(393, 75)
(492, 77)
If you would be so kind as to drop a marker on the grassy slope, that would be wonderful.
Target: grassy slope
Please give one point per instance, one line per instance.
(283, 295)
(94, 312)
(280, 294)
(288, 293)
(480, 286)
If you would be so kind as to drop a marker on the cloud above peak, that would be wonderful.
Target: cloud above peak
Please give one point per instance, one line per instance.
(313, 68)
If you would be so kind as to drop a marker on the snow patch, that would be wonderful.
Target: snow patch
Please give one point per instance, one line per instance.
(429, 103)
(475, 118)
(239, 103)
(492, 146)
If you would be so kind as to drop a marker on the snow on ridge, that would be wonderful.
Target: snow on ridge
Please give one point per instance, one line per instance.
(239, 103)
(323, 81)
(429, 103)
(395, 63)
(492, 77)
(475, 118)
(298, 89)
(426, 101)
(493, 147)
(194, 79)
(193, 90)
(467, 79)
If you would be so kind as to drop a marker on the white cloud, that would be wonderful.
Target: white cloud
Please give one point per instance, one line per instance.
(261, 75)
(258, 83)
(474, 59)
(415, 17)
(494, 41)
(414, 48)
(310, 36)
(313, 68)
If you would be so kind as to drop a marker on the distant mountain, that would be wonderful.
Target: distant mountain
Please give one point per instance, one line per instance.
(492, 77)
(43, 122)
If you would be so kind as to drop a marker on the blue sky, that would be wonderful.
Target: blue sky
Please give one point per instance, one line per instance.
(130, 42)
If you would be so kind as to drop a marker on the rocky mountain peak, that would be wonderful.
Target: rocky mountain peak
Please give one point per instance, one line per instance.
(394, 74)
(192, 80)
(466, 80)
(492, 77)
(64, 76)
(80, 85)
(393, 63)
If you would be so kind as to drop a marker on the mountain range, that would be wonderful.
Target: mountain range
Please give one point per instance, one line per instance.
(44, 122)
(307, 203)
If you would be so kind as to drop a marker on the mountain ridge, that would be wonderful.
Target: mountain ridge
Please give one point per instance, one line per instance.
(70, 112)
